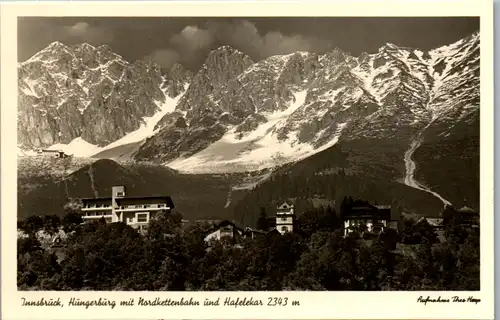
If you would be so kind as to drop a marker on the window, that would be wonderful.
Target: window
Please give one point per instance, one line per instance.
(119, 194)
(142, 217)
(283, 219)
(283, 228)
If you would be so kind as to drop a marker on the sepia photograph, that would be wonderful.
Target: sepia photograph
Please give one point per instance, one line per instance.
(245, 153)
(248, 154)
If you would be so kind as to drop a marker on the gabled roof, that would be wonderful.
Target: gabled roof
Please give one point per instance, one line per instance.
(224, 223)
(466, 209)
(285, 205)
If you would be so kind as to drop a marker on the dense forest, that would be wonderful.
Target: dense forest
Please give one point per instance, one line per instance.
(172, 255)
(308, 190)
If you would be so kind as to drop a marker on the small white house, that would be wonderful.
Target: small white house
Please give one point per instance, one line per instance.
(224, 230)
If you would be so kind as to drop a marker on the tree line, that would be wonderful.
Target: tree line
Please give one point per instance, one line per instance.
(304, 189)
(172, 255)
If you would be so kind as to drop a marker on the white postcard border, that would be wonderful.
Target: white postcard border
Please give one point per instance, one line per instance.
(344, 305)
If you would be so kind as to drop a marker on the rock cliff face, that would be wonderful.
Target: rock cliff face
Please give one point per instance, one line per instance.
(287, 107)
(92, 93)
(236, 115)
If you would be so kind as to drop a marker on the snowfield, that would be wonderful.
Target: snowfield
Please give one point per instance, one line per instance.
(258, 150)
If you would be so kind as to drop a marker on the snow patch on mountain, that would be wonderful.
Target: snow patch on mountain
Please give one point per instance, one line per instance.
(259, 150)
(147, 128)
(77, 147)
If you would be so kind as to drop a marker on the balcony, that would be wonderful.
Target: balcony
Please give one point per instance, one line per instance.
(96, 207)
(142, 207)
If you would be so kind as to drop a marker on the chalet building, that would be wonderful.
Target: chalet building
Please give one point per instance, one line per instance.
(285, 218)
(225, 230)
(365, 217)
(468, 217)
(134, 211)
(58, 154)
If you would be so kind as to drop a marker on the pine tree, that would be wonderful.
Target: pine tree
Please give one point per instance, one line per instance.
(344, 207)
(262, 222)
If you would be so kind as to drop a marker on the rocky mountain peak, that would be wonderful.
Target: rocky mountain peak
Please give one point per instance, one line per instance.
(225, 63)
(56, 45)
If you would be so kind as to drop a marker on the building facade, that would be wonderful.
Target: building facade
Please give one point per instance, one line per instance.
(134, 211)
(285, 218)
(224, 230)
(364, 217)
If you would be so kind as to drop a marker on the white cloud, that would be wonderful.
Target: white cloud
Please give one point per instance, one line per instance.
(83, 31)
(194, 41)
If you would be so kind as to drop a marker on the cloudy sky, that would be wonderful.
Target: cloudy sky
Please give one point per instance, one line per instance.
(188, 40)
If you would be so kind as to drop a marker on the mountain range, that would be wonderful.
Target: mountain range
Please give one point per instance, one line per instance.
(400, 115)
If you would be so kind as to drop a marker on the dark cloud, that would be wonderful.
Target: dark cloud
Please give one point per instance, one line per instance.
(194, 41)
(188, 40)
